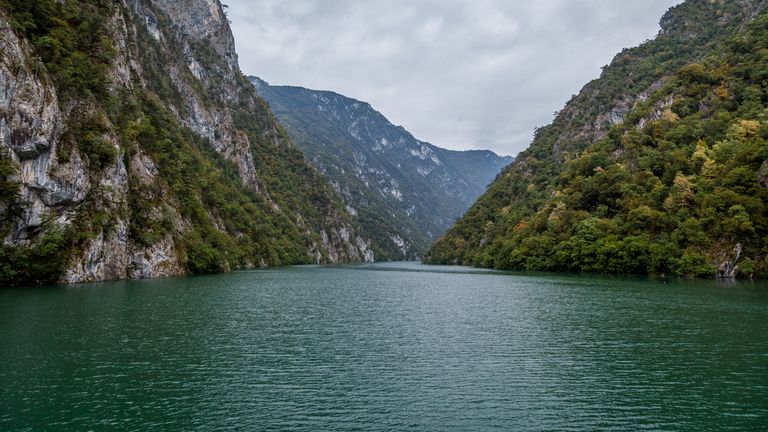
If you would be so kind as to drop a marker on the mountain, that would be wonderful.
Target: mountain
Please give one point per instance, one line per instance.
(659, 166)
(403, 192)
(131, 146)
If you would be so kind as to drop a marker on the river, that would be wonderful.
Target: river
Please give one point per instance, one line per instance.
(385, 347)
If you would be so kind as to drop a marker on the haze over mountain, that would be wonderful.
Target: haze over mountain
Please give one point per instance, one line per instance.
(464, 74)
(403, 192)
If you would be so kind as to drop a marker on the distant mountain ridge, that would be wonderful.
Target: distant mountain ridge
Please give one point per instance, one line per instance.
(404, 192)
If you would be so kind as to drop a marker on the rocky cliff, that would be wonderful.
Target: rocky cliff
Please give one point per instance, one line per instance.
(403, 191)
(131, 146)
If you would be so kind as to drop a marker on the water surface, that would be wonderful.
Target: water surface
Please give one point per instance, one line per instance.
(385, 347)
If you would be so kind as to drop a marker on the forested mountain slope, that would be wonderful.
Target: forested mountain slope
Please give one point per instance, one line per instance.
(404, 192)
(131, 146)
(660, 166)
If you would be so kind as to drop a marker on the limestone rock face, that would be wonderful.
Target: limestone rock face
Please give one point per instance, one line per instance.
(29, 111)
(197, 27)
(158, 260)
(31, 124)
(63, 186)
(199, 20)
(105, 258)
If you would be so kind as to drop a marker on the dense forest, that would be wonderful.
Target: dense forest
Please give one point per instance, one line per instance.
(658, 167)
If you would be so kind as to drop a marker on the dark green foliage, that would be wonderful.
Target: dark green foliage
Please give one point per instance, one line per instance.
(671, 190)
(92, 136)
(71, 39)
(206, 187)
(39, 264)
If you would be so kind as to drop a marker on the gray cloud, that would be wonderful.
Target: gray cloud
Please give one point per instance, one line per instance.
(459, 74)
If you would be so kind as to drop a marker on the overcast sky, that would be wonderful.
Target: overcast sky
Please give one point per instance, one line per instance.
(460, 74)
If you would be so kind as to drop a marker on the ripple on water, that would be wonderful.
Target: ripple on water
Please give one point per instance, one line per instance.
(396, 346)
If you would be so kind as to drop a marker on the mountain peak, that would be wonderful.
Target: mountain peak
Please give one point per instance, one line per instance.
(405, 191)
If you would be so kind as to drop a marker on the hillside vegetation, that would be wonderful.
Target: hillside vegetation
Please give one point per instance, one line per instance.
(659, 167)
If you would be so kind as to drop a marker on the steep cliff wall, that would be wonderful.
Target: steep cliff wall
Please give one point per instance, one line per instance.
(131, 146)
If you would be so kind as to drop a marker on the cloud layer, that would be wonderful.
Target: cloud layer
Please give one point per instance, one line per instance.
(459, 74)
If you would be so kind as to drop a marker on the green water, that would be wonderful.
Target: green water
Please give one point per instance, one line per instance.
(385, 347)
